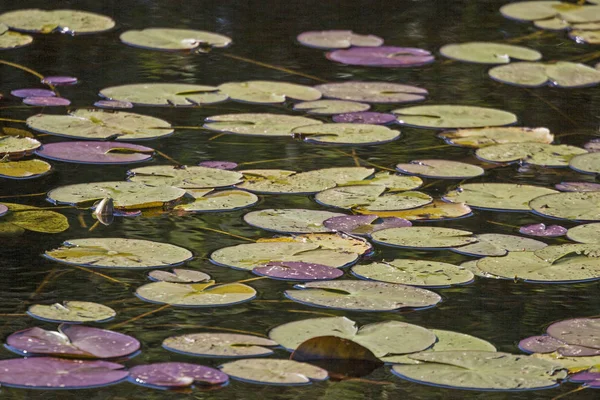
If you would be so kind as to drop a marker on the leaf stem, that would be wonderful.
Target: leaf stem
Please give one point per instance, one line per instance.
(270, 66)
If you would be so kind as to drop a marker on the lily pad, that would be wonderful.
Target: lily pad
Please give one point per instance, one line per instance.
(423, 237)
(72, 312)
(579, 35)
(364, 224)
(97, 124)
(451, 116)
(164, 94)
(113, 104)
(472, 266)
(229, 165)
(268, 92)
(34, 219)
(276, 181)
(382, 56)
(489, 52)
(543, 230)
(438, 210)
(188, 177)
(3, 209)
(531, 10)
(560, 74)
(393, 182)
(586, 163)
(553, 24)
(119, 253)
(495, 244)
(444, 169)
(578, 187)
(207, 294)
(331, 107)
(590, 379)
(32, 92)
(73, 22)
(262, 124)
(297, 271)
(169, 39)
(24, 169)
(482, 137)
(327, 241)
(55, 373)
(179, 276)
(414, 273)
(586, 233)
(581, 206)
(372, 92)
(175, 375)
(372, 198)
(290, 220)
(548, 344)
(222, 345)
(578, 332)
(59, 80)
(91, 152)
(46, 101)
(362, 295)
(338, 133)
(337, 39)
(13, 40)
(497, 196)
(365, 117)
(274, 372)
(225, 200)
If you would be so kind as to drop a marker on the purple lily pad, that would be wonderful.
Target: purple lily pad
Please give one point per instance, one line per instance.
(593, 146)
(218, 164)
(384, 56)
(59, 80)
(543, 230)
(363, 224)
(298, 271)
(23, 93)
(549, 344)
(578, 187)
(92, 152)
(176, 374)
(365, 117)
(57, 373)
(72, 340)
(113, 104)
(46, 101)
(3, 209)
(577, 332)
(591, 379)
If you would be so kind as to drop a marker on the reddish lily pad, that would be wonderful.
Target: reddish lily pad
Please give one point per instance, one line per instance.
(578, 187)
(86, 152)
(549, 344)
(383, 56)
(113, 104)
(543, 230)
(364, 224)
(23, 93)
(577, 331)
(298, 271)
(591, 379)
(365, 117)
(176, 374)
(218, 164)
(59, 80)
(372, 92)
(3, 209)
(593, 146)
(46, 101)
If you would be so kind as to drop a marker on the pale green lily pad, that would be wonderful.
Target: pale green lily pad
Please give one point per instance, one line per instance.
(271, 371)
(24, 169)
(186, 177)
(103, 125)
(173, 39)
(440, 169)
(225, 200)
(393, 182)
(451, 116)
(423, 237)
(557, 253)
(587, 36)
(276, 181)
(437, 210)
(497, 196)
(119, 253)
(268, 92)
(581, 14)
(196, 294)
(495, 244)
(65, 21)
(472, 266)
(17, 147)
(3, 28)
(586, 233)
(338, 241)
(489, 52)
(21, 217)
(405, 338)
(330, 107)
(481, 370)
(339, 133)
(560, 74)
(372, 92)
(164, 94)
(343, 175)
(290, 220)
(531, 10)
(262, 124)
(362, 295)
(179, 276)
(13, 40)
(552, 24)
(372, 198)
(249, 256)
(582, 206)
(219, 345)
(568, 74)
(414, 273)
(483, 137)
(446, 341)
(72, 312)
(127, 195)
(528, 74)
(586, 163)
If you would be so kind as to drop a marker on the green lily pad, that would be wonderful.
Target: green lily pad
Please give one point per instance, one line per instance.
(262, 124)
(372, 198)
(186, 178)
(531, 10)
(497, 196)
(437, 210)
(276, 181)
(362, 295)
(581, 206)
(225, 200)
(444, 169)
(173, 39)
(119, 253)
(21, 217)
(560, 74)
(339, 241)
(196, 294)
(72, 312)
(24, 169)
(179, 276)
(330, 107)
(126, 195)
(481, 370)
(579, 35)
(249, 256)
(488, 52)
(164, 94)
(382, 338)
(586, 233)
(97, 124)
(343, 175)
(586, 163)
(372, 92)
(73, 22)
(268, 92)
(13, 40)
(423, 237)
(494, 244)
(219, 345)
(339, 133)
(290, 220)
(17, 147)
(414, 273)
(553, 24)
(271, 371)
(393, 182)
(450, 116)
(472, 266)
(482, 137)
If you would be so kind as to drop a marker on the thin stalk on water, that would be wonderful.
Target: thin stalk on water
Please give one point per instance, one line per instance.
(580, 388)
(101, 275)
(164, 307)
(215, 137)
(271, 66)
(216, 328)
(225, 233)
(32, 72)
(81, 220)
(502, 224)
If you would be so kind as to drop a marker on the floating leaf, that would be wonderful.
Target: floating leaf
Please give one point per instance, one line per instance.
(113, 104)
(186, 178)
(274, 372)
(72, 312)
(338, 133)
(330, 107)
(34, 219)
(365, 117)
(119, 253)
(579, 35)
(372, 198)
(179, 276)
(586, 233)
(586, 163)
(32, 92)
(383, 56)
(328, 241)
(91, 152)
(196, 294)
(275, 181)
(438, 210)
(570, 363)
(531, 10)
(450, 116)
(46, 101)
(423, 237)
(13, 40)
(219, 345)
(164, 94)
(495, 244)
(590, 379)
(175, 375)
(3, 209)
(173, 39)
(257, 124)
(290, 220)
(297, 271)
(497, 196)
(472, 266)
(97, 124)
(225, 200)
(337, 39)
(578, 187)
(229, 165)
(73, 22)
(548, 344)
(440, 169)
(268, 92)
(578, 332)
(59, 80)
(543, 230)
(583, 206)
(372, 92)
(363, 224)
(488, 52)
(553, 24)
(490, 136)
(561, 74)
(24, 169)
(362, 295)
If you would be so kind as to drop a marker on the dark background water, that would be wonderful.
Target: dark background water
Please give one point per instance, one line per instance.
(501, 312)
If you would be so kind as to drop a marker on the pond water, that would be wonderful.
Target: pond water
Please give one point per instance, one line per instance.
(499, 311)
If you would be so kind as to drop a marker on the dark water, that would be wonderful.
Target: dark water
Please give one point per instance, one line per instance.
(501, 312)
